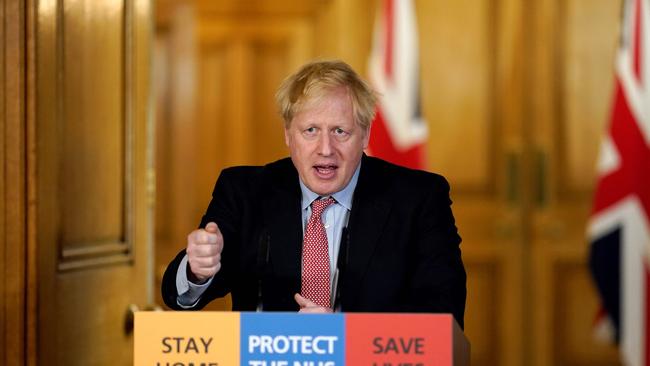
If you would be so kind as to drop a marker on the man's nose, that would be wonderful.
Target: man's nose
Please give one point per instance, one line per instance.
(325, 145)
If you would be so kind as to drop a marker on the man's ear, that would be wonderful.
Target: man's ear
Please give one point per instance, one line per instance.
(286, 135)
(366, 138)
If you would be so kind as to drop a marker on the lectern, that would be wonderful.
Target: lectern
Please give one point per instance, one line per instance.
(291, 339)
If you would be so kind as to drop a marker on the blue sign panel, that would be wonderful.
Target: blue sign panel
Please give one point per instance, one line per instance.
(291, 339)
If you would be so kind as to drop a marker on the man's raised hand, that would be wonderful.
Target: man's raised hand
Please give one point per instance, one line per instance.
(204, 248)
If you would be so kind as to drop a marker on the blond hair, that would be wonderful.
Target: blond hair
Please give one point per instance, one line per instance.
(318, 78)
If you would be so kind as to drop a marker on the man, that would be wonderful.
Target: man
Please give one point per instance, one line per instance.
(329, 228)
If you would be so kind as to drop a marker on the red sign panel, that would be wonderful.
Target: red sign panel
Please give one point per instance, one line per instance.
(398, 339)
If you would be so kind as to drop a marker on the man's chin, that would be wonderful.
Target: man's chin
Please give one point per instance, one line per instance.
(324, 189)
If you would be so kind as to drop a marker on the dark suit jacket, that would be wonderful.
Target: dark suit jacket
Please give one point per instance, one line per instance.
(403, 247)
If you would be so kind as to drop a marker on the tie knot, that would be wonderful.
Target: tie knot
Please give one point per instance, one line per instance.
(319, 205)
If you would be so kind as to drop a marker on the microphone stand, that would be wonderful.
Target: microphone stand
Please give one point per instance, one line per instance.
(341, 266)
(262, 264)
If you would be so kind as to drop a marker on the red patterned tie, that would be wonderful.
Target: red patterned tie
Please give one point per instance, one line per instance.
(315, 257)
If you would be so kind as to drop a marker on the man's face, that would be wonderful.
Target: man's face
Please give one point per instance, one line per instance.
(326, 143)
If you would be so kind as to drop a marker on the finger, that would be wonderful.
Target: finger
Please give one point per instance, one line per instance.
(204, 265)
(315, 310)
(203, 250)
(205, 273)
(204, 237)
(212, 227)
(204, 262)
(303, 302)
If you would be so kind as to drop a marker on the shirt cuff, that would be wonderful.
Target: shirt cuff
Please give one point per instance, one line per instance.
(189, 293)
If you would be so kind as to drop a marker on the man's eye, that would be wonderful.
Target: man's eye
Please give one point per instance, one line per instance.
(339, 131)
(310, 130)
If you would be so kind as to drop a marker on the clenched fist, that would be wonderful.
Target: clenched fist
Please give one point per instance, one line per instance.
(204, 248)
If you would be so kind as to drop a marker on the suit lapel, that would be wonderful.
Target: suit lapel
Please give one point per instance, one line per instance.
(283, 221)
(370, 210)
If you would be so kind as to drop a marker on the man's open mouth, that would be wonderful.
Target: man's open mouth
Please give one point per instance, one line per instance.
(325, 171)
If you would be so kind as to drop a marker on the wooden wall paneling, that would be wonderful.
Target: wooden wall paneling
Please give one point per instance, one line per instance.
(567, 304)
(3, 92)
(587, 60)
(31, 339)
(13, 287)
(357, 20)
(484, 313)
(239, 90)
(272, 58)
(508, 99)
(565, 299)
(545, 40)
(214, 116)
(493, 315)
(238, 8)
(344, 31)
(161, 85)
(95, 122)
(457, 41)
(46, 162)
(140, 64)
(182, 167)
(509, 169)
(542, 75)
(183, 77)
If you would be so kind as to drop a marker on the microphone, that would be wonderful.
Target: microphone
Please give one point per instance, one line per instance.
(341, 266)
(262, 263)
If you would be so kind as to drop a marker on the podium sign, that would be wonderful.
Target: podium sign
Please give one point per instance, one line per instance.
(186, 338)
(291, 339)
(288, 339)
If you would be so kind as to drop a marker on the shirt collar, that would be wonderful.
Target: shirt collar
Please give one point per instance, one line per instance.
(342, 197)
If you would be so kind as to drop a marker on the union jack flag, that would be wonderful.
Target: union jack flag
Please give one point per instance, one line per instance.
(619, 228)
(398, 132)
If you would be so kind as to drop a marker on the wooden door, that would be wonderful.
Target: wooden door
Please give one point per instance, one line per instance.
(92, 158)
(571, 93)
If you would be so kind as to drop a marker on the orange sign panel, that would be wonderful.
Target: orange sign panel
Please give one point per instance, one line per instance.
(186, 339)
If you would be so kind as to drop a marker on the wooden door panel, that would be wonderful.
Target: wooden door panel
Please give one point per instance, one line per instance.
(92, 155)
(575, 305)
(483, 314)
(591, 36)
(16, 283)
(457, 41)
(94, 186)
(573, 83)
(93, 124)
